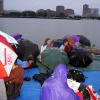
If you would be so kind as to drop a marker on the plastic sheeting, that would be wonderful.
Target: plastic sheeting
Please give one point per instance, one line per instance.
(93, 78)
(56, 87)
(30, 90)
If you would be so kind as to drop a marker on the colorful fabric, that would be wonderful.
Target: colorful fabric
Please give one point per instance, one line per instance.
(56, 88)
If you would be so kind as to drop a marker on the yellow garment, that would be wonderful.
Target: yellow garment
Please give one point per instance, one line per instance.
(70, 41)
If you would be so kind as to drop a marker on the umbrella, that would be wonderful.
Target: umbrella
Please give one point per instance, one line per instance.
(9, 38)
(51, 57)
(79, 58)
(27, 48)
(74, 38)
(7, 57)
(84, 40)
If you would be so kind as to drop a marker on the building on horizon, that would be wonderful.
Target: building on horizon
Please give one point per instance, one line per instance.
(94, 12)
(69, 12)
(86, 11)
(1, 7)
(60, 10)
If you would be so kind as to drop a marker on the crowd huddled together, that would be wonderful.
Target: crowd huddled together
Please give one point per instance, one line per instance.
(58, 81)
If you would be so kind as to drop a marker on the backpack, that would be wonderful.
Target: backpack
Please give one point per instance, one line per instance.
(14, 82)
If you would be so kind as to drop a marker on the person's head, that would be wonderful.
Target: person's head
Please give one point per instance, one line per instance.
(76, 75)
(52, 44)
(46, 41)
(65, 42)
(30, 59)
(60, 72)
(77, 44)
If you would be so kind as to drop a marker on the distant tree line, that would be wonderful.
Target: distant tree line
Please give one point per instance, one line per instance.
(42, 14)
(20, 14)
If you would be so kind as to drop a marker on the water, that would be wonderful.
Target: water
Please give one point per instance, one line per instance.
(38, 29)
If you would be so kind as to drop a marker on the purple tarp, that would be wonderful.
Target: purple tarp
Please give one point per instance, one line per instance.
(56, 87)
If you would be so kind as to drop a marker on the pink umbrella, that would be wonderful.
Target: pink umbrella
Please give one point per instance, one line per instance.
(7, 57)
(75, 38)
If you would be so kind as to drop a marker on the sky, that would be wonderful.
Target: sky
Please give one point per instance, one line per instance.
(22, 5)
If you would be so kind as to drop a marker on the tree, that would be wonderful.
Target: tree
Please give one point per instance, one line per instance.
(28, 13)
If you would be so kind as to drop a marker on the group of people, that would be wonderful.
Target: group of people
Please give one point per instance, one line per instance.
(54, 88)
(67, 45)
(10, 86)
(58, 86)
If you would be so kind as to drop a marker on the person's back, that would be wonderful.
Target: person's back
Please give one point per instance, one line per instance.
(16, 76)
(45, 45)
(56, 88)
(14, 82)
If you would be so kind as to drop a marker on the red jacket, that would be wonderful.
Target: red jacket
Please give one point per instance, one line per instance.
(68, 48)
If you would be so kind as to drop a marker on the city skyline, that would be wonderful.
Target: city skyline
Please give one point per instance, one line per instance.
(34, 5)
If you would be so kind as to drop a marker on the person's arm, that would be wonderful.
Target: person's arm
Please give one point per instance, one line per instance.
(62, 47)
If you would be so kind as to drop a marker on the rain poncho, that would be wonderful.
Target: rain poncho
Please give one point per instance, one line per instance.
(56, 87)
(80, 58)
(27, 48)
(51, 57)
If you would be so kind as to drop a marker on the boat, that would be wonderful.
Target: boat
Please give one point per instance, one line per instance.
(96, 57)
(30, 90)
(94, 51)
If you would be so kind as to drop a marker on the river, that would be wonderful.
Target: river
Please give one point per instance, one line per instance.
(37, 30)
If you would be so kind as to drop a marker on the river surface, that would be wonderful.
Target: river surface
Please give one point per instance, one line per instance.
(37, 30)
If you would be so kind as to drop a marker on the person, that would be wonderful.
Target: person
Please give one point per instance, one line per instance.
(46, 44)
(29, 63)
(52, 44)
(3, 95)
(65, 43)
(14, 82)
(67, 46)
(85, 92)
(56, 87)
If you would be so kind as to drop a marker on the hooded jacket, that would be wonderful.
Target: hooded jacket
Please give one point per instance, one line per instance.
(56, 87)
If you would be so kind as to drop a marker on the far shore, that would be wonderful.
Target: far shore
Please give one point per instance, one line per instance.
(69, 18)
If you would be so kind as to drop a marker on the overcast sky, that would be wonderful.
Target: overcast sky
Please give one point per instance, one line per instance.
(49, 4)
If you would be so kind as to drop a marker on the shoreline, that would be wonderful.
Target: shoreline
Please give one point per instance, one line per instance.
(50, 18)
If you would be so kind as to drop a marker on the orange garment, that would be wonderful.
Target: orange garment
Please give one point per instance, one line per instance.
(16, 76)
(70, 41)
